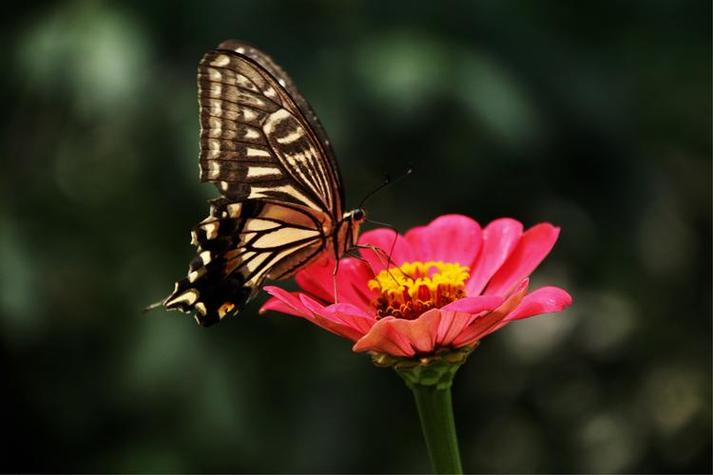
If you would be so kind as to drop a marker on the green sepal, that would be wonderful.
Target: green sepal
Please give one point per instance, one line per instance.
(436, 369)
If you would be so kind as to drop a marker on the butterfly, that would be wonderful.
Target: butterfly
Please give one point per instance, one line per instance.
(282, 200)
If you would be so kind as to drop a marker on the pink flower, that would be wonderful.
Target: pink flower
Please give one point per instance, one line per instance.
(448, 285)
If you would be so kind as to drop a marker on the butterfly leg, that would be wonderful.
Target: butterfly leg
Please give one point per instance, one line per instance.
(353, 252)
(334, 280)
(384, 258)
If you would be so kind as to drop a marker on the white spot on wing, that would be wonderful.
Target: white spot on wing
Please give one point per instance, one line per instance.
(251, 133)
(189, 297)
(211, 230)
(254, 172)
(220, 60)
(213, 169)
(214, 74)
(234, 209)
(196, 274)
(257, 152)
(249, 114)
(293, 136)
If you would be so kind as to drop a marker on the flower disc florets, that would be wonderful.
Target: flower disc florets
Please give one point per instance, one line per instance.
(414, 287)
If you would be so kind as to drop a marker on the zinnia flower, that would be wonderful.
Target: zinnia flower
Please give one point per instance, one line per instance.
(448, 284)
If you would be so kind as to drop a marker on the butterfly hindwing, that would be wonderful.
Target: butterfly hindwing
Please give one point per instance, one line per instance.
(238, 246)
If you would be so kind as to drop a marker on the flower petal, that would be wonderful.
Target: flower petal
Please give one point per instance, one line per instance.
(499, 240)
(313, 278)
(330, 321)
(393, 246)
(459, 314)
(289, 302)
(400, 337)
(384, 339)
(542, 300)
(306, 307)
(448, 238)
(345, 314)
(492, 321)
(274, 304)
(452, 325)
(534, 246)
(475, 304)
(352, 276)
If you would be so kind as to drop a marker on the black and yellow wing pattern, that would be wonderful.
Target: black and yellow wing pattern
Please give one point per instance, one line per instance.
(282, 199)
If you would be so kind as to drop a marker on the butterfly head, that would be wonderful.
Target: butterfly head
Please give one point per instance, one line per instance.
(357, 216)
(348, 231)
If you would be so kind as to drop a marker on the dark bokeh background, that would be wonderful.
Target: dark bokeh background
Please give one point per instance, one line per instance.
(594, 116)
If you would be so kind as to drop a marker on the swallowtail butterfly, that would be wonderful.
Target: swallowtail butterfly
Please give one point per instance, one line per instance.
(282, 196)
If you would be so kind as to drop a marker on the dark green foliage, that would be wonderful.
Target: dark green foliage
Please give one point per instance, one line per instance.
(596, 117)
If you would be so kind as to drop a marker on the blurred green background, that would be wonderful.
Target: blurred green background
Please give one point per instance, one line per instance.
(595, 116)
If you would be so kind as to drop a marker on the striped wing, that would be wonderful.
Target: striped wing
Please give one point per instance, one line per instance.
(264, 149)
(240, 245)
(256, 141)
(285, 81)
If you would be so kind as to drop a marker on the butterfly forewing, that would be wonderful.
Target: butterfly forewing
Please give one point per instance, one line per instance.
(267, 63)
(264, 149)
(250, 121)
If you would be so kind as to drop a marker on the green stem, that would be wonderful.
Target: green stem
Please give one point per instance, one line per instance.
(436, 413)
(430, 379)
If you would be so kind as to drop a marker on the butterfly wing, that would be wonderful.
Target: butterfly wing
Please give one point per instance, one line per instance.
(267, 63)
(256, 142)
(264, 149)
(238, 246)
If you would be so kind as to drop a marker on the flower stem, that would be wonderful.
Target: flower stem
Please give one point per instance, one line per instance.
(430, 380)
(436, 413)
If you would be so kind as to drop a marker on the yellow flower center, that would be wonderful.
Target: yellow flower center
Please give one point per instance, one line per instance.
(414, 287)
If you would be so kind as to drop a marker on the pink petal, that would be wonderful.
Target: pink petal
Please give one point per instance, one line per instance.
(303, 306)
(534, 245)
(452, 324)
(492, 321)
(313, 278)
(448, 238)
(343, 313)
(276, 305)
(384, 339)
(409, 337)
(542, 300)
(459, 314)
(390, 243)
(352, 276)
(329, 320)
(290, 302)
(499, 240)
(474, 304)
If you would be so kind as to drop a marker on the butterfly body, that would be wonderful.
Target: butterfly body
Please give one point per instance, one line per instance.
(282, 200)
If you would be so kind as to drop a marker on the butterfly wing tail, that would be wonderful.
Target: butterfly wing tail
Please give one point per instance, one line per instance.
(212, 290)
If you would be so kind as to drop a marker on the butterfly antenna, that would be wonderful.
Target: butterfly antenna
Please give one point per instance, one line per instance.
(387, 181)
